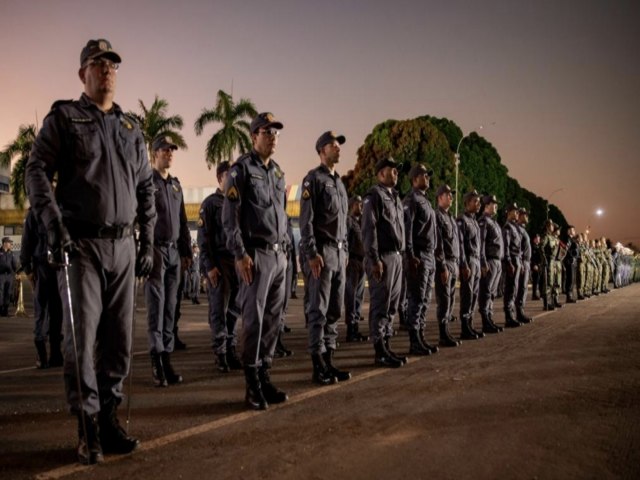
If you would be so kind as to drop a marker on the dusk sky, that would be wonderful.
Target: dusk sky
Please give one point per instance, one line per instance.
(556, 84)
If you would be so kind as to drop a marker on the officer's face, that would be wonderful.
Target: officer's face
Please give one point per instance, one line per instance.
(421, 182)
(331, 153)
(445, 200)
(265, 142)
(222, 179)
(99, 78)
(491, 209)
(388, 176)
(6, 246)
(473, 205)
(357, 208)
(523, 218)
(163, 158)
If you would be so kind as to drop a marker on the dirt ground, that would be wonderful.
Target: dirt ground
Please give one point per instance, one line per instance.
(559, 398)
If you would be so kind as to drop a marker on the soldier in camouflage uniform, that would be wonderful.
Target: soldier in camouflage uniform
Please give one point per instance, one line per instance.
(549, 247)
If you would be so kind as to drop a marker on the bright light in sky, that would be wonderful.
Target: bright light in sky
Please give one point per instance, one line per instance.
(599, 212)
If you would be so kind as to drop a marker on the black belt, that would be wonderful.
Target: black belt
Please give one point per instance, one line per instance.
(90, 230)
(494, 258)
(391, 252)
(160, 243)
(276, 247)
(333, 243)
(356, 257)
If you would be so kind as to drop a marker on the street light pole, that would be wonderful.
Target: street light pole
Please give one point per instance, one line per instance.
(549, 199)
(456, 156)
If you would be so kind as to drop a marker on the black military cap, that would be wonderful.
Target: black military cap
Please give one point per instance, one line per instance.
(469, 195)
(523, 211)
(96, 49)
(222, 167)
(6, 240)
(387, 162)
(442, 189)
(264, 120)
(328, 137)
(419, 169)
(355, 199)
(163, 141)
(512, 206)
(487, 199)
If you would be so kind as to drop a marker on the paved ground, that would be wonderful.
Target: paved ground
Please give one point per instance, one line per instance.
(556, 399)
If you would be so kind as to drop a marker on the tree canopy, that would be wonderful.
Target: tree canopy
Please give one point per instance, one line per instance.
(19, 149)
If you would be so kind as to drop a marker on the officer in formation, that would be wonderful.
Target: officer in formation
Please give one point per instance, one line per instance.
(525, 274)
(104, 184)
(420, 264)
(550, 247)
(471, 245)
(354, 288)
(512, 240)
(192, 276)
(281, 350)
(8, 269)
(171, 255)
(255, 221)
(571, 263)
(536, 267)
(47, 306)
(384, 240)
(448, 258)
(219, 267)
(491, 256)
(323, 230)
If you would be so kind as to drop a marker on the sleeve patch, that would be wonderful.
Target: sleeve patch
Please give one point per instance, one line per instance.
(232, 193)
(306, 195)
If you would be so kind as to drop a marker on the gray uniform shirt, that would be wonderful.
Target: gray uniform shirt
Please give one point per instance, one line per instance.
(491, 236)
(419, 224)
(525, 244)
(512, 239)
(470, 239)
(172, 217)
(448, 245)
(383, 222)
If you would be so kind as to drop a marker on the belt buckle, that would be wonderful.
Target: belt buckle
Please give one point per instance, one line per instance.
(100, 232)
(276, 247)
(119, 231)
(340, 244)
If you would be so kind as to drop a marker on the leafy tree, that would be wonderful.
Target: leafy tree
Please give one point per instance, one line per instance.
(154, 121)
(234, 133)
(20, 148)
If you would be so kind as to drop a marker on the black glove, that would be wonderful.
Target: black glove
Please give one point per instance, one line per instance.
(144, 260)
(59, 241)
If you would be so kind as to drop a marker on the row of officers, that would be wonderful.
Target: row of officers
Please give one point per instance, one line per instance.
(107, 189)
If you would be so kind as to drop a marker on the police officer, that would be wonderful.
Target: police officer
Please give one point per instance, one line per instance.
(536, 268)
(193, 275)
(47, 306)
(490, 262)
(525, 257)
(571, 263)
(104, 184)
(323, 230)
(420, 240)
(255, 221)
(471, 245)
(354, 288)
(219, 267)
(448, 258)
(383, 238)
(8, 269)
(512, 239)
(172, 242)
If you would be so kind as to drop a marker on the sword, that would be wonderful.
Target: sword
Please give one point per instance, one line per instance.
(136, 284)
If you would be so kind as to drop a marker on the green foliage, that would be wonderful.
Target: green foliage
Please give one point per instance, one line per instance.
(20, 148)
(154, 121)
(234, 132)
(433, 142)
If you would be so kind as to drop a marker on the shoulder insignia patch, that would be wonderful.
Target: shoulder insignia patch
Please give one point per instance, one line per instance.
(232, 193)
(176, 188)
(306, 195)
(200, 222)
(233, 174)
(278, 173)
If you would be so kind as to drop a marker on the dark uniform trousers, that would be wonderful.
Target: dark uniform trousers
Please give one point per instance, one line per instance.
(223, 310)
(101, 280)
(384, 295)
(445, 292)
(354, 290)
(262, 303)
(419, 289)
(523, 285)
(489, 286)
(6, 289)
(47, 307)
(511, 286)
(161, 295)
(469, 289)
(326, 295)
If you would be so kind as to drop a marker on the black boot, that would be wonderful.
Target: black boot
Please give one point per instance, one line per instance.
(340, 375)
(281, 350)
(522, 317)
(157, 370)
(221, 361)
(172, 377)
(112, 436)
(477, 333)
(383, 359)
(432, 348)
(254, 398)
(232, 358)
(416, 347)
(89, 448)
(177, 343)
(270, 392)
(321, 374)
(41, 349)
(509, 321)
(55, 355)
(556, 303)
(393, 354)
(446, 340)
(354, 335)
(465, 330)
(488, 327)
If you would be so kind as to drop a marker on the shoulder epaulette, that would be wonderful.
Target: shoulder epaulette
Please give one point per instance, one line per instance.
(58, 103)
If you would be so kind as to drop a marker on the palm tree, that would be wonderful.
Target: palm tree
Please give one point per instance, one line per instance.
(154, 121)
(20, 148)
(234, 133)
